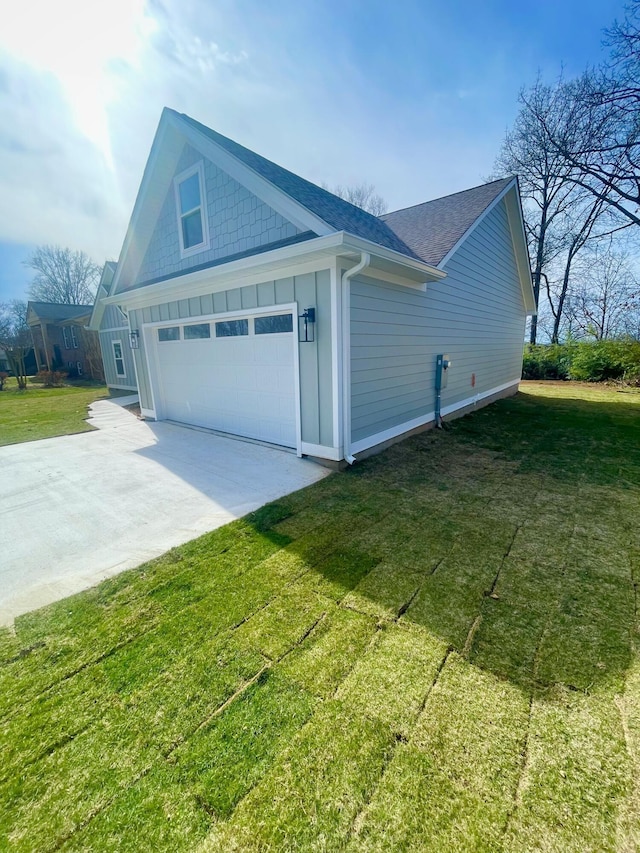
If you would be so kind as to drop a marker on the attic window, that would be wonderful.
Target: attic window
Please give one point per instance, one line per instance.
(192, 222)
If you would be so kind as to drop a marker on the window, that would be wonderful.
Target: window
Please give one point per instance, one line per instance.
(192, 221)
(232, 328)
(197, 331)
(274, 324)
(118, 358)
(74, 340)
(67, 339)
(79, 367)
(169, 333)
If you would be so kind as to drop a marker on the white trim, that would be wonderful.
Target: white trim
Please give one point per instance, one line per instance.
(116, 359)
(196, 169)
(148, 413)
(115, 329)
(336, 355)
(422, 420)
(150, 343)
(321, 450)
(223, 316)
(522, 253)
(362, 265)
(474, 225)
(263, 266)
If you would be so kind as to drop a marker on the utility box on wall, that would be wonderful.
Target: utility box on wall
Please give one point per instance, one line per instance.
(443, 363)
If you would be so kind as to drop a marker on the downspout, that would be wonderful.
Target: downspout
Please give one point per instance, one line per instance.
(365, 260)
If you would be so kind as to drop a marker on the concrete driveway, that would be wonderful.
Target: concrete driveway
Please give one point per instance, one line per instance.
(79, 508)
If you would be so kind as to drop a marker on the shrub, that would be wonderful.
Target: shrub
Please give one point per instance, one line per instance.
(3, 378)
(598, 361)
(547, 361)
(51, 378)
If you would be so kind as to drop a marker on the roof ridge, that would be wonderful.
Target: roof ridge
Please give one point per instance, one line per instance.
(449, 195)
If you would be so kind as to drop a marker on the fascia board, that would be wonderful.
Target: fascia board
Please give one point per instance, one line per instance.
(421, 270)
(167, 144)
(276, 198)
(516, 223)
(319, 249)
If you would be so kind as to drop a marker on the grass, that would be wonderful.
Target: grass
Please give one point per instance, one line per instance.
(39, 412)
(435, 650)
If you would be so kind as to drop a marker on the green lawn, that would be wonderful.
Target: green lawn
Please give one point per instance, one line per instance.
(435, 650)
(40, 412)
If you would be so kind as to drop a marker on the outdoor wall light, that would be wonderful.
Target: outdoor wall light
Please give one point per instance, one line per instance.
(306, 325)
(134, 339)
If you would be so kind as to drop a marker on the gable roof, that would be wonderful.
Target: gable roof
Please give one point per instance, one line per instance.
(57, 312)
(339, 214)
(425, 234)
(433, 229)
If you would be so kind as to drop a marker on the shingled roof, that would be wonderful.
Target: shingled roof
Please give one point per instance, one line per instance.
(56, 312)
(433, 228)
(336, 212)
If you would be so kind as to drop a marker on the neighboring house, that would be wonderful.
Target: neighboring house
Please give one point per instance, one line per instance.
(226, 253)
(61, 340)
(112, 324)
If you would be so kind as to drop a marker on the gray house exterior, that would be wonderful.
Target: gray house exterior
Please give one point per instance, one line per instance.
(225, 254)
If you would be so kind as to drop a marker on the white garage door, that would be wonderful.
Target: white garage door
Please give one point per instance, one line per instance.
(234, 375)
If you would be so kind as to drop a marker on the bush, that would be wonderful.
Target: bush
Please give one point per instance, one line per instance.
(51, 378)
(547, 361)
(3, 378)
(586, 361)
(599, 361)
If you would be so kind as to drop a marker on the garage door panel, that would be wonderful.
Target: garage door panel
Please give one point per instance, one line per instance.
(243, 385)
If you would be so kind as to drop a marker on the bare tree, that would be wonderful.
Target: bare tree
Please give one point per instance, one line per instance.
(600, 136)
(607, 304)
(62, 276)
(361, 195)
(15, 337)
(544, 175)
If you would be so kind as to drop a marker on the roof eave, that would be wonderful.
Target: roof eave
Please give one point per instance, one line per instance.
(331, 246)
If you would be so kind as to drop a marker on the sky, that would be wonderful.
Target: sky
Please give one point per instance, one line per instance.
(413, 96)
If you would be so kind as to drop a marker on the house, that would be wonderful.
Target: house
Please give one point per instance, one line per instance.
(263, 306)
(61, 340)
(111, 323)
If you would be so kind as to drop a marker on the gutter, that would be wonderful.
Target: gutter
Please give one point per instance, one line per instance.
(365, 260)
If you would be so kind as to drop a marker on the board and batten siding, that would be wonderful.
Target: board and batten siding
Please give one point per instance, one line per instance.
(308, 290)
(476, 315)
(238, 222)
(113, 327)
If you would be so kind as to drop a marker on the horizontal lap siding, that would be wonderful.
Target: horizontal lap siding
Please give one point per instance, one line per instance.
(309, 290)
(111, 378)
(476, 315)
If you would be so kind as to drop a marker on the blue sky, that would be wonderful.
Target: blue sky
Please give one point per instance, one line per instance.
(414, 97)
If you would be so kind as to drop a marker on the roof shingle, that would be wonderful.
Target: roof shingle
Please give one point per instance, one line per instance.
(433, 228)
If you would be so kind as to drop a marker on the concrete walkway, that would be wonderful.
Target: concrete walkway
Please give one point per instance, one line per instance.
(79, 508)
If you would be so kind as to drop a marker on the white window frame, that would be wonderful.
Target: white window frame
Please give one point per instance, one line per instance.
(74, 339)
(65, 337)
(79, 368)
(122, 375)
(197, 168)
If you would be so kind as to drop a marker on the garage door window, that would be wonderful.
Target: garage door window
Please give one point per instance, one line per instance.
(232, 328)
(197, 331)
(169, 333)
(274, 324)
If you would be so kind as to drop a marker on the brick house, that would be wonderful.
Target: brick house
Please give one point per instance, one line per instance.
(61, 340)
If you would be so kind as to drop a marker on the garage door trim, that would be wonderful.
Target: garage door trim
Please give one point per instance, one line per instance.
(150, 336)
